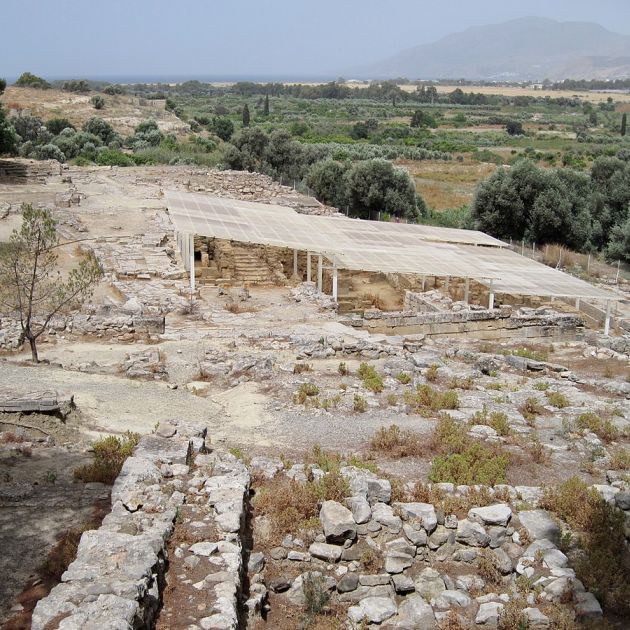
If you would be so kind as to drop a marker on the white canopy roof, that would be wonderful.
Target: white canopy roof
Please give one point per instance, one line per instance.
(376, 246)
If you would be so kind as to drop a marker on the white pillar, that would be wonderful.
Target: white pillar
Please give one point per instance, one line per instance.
(334, 283)
(308, 266)
(192, 262)
(424, 281)
(607, 322)
(466, 290)
(491, 298)
(577, 304)
(447, 283)
(295, 263)
(320, 273)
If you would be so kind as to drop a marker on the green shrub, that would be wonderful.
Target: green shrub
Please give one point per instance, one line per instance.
(557, 399)
(403, 378)
(500, 423)
(360, 404)
(110, 454)
(604, 565)
(395, 442)
(603, 428)
(98, 102)
(372, 380)
(306, 391)
(476, 464)
(432, 373)
(109, 157)
(426, 399)
(530, 409)
(343, 369)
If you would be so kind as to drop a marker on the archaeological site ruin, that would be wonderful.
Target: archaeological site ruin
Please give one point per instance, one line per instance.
(271, 415)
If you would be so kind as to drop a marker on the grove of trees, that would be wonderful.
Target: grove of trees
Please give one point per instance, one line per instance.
(584, 211)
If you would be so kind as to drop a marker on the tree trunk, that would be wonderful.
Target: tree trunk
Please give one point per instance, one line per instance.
(33, 344)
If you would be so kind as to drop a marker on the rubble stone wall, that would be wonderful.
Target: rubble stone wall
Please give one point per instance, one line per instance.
(81, 324)
(118, 576)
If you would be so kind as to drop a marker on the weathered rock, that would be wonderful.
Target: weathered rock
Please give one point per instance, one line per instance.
(324, 551)
(502, 561)
(403, 584)
(449, 599)
(414, 613)
(373, 610)
(361, 511)
(384, 515)
(338, 522)
(489, 613)
(587, 607)
(540, 524)
(471, 534)
(417, 537)
(622, 500)
(367, 484)
(499, 514)
(203, 548)
(535, 618)
(423, 512)
(348, 583)
(429, 584)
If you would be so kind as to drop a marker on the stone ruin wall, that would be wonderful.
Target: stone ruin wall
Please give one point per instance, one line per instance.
(488, 325)
(118, 577)
(120, 327)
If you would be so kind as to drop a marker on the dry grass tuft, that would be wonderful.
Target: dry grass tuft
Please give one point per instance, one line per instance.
(110, 454)
(236, 308)
(397, 443)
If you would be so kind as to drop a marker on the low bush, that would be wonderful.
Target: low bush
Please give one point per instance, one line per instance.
(604, 564)
(291, 505)
(301, 368)
(110, 454)
(620, 459)
(403, 378)
(530, 409)
(425, 399)
(306, 391)
(603, 428)
(396, 442)
(343, 369)
(360, 404)
(475, 464)
(557, 399)
(528, 353)
(372, 380)
(432, 373)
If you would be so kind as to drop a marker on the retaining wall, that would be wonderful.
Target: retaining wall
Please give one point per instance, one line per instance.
(484, 324)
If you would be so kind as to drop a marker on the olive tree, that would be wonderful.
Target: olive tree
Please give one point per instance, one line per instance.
(8, 137)
(32, 288)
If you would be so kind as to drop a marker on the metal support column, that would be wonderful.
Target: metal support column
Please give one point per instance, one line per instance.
(308, 266)
(191, 242)
(295, 262)
(334, 283)
(607, 322)
(466, 290)
(491, 297)
(320, 272)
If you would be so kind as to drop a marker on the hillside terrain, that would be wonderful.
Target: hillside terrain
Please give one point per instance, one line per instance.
(522, 49)
(121, 111)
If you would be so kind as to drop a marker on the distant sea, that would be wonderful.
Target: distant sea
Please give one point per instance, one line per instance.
(180, 78)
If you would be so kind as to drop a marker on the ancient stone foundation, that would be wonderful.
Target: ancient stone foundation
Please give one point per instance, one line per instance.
(482, 324)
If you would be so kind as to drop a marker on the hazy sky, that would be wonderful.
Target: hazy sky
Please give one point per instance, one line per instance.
(86, 38)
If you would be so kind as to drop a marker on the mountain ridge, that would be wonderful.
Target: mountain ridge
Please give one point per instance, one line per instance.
(529, 48)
